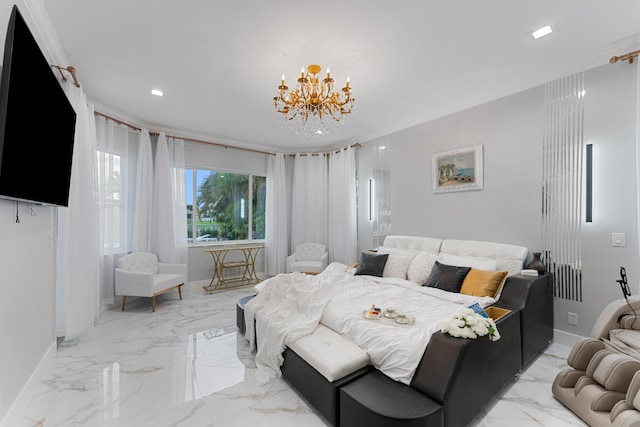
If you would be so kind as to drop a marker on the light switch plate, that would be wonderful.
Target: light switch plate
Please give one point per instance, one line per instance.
(618, 239)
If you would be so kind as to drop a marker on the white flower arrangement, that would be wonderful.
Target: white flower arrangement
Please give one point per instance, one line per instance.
(466, 323)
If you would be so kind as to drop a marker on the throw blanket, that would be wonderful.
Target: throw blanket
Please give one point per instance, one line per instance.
(291, 306)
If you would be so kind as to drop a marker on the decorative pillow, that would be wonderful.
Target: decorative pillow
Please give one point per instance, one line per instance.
(371, 264)
(420, 267)
(396, 266)
(447, 277)
(466, 261)
(483, 283)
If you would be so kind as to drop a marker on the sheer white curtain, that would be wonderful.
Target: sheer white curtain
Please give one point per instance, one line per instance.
(179, 195)
(342, 236)
(169, 229)
(143, 195)
(309, 199)
(78, 254)
(276, 228)
(117, 153)
(162, 233)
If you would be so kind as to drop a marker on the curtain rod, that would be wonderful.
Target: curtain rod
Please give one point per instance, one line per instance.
(120, 122)
(626, 57)
(71, 70)
(356, 145)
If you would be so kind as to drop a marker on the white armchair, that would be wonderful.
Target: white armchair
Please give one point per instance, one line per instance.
(308, 258)
(140, 274)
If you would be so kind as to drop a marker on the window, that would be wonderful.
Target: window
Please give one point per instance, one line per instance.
(110, 185)
(224, 206)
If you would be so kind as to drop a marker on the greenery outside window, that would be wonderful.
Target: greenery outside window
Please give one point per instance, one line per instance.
(224, 206)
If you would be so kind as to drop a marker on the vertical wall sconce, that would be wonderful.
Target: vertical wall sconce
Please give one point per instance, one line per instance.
(589, 184)
(371, 200)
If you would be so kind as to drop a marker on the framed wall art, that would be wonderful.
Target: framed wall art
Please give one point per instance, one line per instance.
(458, 170)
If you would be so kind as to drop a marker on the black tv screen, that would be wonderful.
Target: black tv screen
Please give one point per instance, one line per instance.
(37, 123)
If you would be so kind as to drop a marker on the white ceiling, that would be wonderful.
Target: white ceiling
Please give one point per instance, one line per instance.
(219, 62)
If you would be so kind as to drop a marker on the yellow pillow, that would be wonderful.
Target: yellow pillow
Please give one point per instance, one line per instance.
(483, 283)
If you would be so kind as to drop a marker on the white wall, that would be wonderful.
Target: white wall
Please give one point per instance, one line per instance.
(508, 210)
(27, 266)
(27, 306)
(228, 159)
(610, 124)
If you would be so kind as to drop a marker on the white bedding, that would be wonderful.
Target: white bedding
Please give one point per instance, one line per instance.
(290, 306)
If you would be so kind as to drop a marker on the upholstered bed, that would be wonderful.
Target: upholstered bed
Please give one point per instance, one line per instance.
(312, 330)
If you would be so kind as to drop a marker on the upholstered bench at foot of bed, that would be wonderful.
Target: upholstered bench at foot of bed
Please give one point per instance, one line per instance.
(319, 364)
(375, 400)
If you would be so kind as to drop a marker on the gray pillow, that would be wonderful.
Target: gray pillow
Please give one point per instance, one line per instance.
(447, 277)
(371, 264)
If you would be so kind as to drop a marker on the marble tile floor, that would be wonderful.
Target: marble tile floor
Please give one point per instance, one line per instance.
(186, 365)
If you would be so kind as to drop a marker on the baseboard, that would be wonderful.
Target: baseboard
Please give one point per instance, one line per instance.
(565, 338)
(15, 414)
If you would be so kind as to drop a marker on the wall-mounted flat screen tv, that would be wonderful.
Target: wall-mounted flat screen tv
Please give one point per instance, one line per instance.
(37, 123)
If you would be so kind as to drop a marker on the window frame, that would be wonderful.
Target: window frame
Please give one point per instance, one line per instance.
(193, 170)
(112, 204)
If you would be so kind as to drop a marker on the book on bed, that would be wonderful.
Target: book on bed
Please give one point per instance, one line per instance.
(476, 307)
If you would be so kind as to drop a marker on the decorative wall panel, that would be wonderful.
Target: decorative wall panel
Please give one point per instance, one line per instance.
(562, 209)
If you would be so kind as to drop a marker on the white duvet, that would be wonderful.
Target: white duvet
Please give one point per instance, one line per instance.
(290, 306)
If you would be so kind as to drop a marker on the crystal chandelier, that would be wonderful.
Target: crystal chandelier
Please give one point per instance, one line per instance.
(313, 107)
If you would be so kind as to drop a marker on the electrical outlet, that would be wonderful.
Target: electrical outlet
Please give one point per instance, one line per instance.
(618, 239)
(572, 319)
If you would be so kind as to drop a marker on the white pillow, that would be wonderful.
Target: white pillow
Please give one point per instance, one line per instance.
(397, 252)
(420, 267)
(473, 262)
(396, 266)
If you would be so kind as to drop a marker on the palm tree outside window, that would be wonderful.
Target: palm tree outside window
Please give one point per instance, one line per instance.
(224, 206)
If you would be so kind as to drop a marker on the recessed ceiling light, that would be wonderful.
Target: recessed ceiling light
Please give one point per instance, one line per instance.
(542, 32)
(156, 92)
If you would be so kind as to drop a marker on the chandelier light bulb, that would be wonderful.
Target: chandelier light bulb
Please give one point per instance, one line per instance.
(328, 72)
